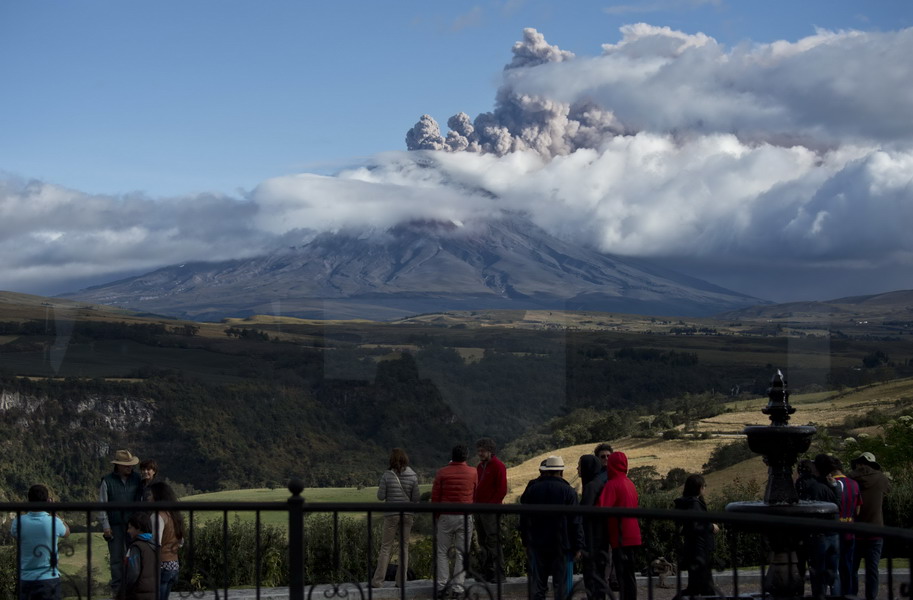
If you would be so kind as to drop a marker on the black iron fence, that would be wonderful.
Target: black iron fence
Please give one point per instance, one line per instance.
(297, 549)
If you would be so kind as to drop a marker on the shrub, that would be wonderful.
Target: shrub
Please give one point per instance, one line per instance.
(726, 455)
(8, 572)
(660, 537)
(745, 548)
(327, 562)
(209, 560)
(421, 554)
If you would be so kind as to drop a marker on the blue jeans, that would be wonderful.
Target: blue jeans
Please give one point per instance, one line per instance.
(870, 550)
(823, 565)
(41, 589)
(166, 580)
(848, 579)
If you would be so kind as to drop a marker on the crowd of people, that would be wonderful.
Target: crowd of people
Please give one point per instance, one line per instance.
(607, 547)
(143, 544)
(833, 560)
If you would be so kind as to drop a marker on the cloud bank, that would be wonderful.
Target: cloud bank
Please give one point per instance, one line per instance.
(758, 166)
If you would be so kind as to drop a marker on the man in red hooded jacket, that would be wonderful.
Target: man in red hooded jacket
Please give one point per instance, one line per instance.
(624, 532)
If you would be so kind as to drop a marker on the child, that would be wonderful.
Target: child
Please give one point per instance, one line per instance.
(141, 567)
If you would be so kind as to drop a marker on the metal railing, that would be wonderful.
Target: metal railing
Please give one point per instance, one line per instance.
(298, 550)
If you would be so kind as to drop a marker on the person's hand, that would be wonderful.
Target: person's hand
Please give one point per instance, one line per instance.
(577, 555)
(716, 528)
(108, 534)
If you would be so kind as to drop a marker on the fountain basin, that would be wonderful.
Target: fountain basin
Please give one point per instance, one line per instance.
(789, 440)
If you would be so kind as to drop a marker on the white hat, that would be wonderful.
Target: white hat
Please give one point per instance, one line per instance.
(552, 463)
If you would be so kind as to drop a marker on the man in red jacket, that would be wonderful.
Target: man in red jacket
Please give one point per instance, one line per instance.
(455, 482)
(491, 489)
(624, 532)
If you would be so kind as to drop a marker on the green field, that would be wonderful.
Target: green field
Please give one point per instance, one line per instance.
(280, 496)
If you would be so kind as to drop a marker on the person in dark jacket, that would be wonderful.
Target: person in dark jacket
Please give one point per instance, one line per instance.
(141, 564)
(624, 532)
(596, 557)
(698, 541)
(552, 541)
(805, 480)
(873, 485)
(824, 547)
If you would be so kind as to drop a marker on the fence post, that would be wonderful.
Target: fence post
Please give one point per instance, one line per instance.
(296, 540)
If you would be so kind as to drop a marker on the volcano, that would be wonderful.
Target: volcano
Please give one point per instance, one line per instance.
(419, 267)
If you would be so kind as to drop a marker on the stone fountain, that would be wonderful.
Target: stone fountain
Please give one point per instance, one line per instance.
(781, 444)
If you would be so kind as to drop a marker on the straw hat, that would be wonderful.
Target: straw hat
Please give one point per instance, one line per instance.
(123, 457)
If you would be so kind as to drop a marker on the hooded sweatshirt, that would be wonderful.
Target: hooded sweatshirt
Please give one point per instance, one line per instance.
(620, 492)
(873, 485)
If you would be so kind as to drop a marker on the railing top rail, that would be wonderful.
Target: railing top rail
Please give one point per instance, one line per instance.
(742, 520)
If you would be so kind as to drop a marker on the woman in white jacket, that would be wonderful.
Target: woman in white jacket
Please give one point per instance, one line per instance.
(399, 483)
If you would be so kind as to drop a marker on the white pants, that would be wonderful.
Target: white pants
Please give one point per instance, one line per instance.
(453, 539)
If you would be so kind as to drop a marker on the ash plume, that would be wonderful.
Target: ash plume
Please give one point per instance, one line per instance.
(820, 92)
(521, 121)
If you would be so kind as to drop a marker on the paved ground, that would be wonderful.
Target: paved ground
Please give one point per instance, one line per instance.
(513, 588)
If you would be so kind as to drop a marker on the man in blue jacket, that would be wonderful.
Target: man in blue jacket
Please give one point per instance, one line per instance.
(553, 541)
(37, 533)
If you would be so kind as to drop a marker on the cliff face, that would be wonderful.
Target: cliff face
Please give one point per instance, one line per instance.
(117, 413)
(63, 432)
(64, 437)
(64, 440)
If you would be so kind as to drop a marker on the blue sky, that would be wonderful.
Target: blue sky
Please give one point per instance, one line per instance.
(175, 97)
(764, 146)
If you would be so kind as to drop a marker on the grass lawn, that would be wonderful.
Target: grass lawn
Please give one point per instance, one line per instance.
(73, 555)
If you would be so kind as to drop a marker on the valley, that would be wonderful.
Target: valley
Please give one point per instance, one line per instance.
(248, 403)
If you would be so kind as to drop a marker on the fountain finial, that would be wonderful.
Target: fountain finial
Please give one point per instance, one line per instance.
(778, 407)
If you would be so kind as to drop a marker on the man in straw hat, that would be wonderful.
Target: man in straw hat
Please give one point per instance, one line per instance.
(122, 484)
(552, 540)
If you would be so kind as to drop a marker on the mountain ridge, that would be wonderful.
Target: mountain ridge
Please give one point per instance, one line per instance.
(417, 267)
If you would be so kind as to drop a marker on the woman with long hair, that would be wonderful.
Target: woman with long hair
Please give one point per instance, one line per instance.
(697, 541)
(169, 533)
(399, 483)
